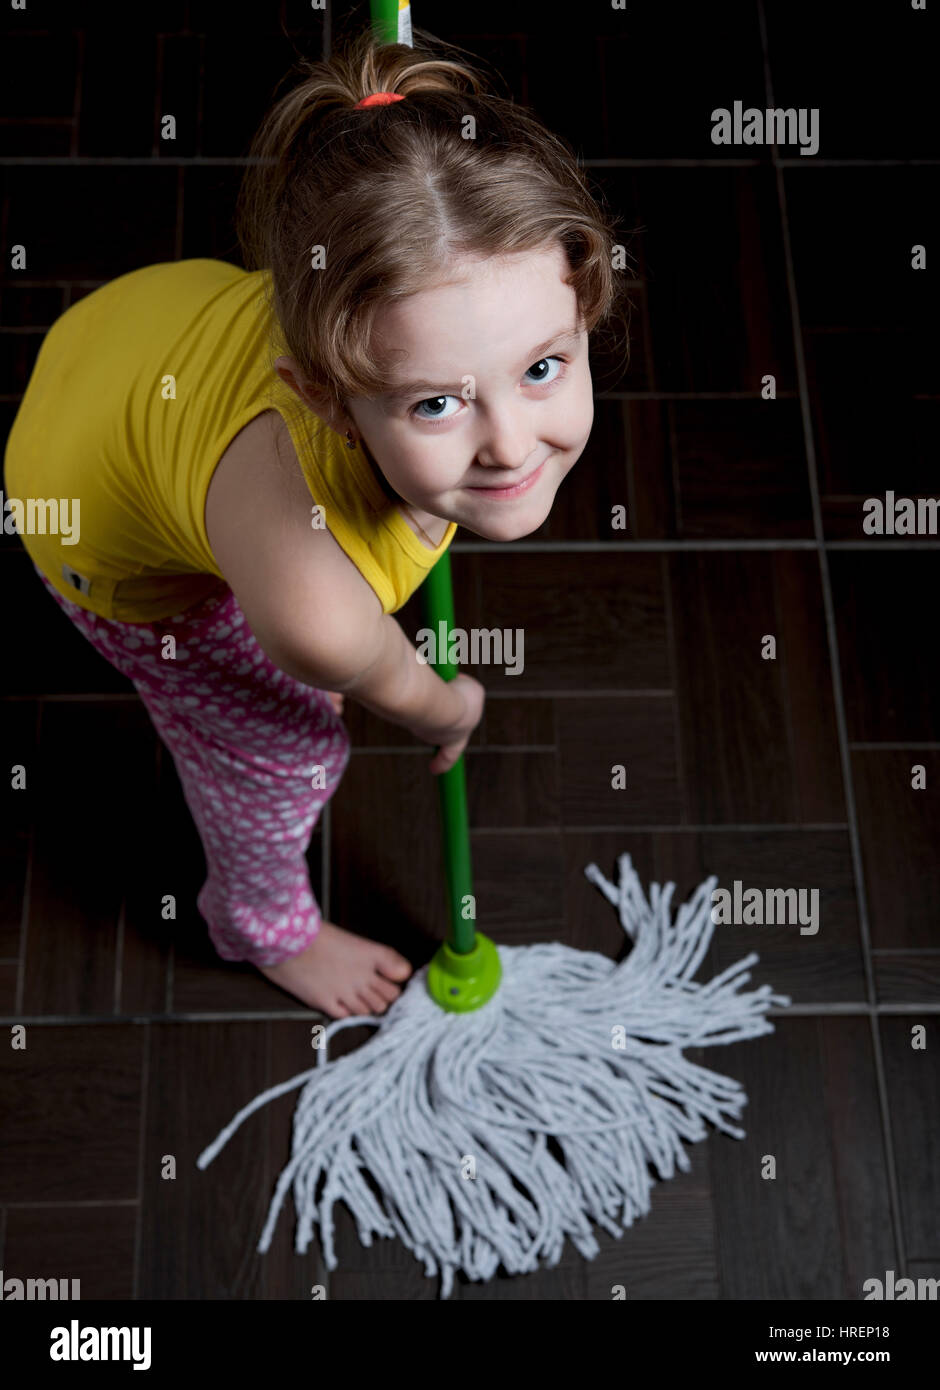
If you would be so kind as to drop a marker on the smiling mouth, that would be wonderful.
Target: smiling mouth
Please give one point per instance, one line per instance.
(506, 487)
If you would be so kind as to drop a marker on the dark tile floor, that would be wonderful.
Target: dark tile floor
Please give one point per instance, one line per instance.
(643, 647)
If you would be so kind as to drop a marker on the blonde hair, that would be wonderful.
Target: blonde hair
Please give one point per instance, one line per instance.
(393, 193)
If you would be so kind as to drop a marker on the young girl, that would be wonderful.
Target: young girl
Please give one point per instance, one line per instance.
(266, 463)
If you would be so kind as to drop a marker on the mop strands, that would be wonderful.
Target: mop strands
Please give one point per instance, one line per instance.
(452, 1114)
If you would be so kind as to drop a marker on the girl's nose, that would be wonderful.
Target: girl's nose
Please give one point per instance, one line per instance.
(508, 441)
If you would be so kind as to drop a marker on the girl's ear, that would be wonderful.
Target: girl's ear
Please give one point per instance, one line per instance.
(318, 401)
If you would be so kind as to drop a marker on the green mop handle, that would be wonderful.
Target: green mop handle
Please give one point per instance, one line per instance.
(437, 598)
(391, 21)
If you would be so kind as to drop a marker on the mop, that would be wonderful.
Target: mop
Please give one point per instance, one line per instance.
(515, 1095)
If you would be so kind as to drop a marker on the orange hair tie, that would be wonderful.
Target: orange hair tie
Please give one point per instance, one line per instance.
(379, 99)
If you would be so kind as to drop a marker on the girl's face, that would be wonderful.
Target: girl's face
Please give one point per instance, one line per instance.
(493, 391)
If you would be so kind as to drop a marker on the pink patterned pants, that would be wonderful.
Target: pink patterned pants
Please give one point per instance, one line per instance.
(258, 755)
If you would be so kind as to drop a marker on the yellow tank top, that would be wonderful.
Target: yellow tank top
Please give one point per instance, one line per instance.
(137, 391)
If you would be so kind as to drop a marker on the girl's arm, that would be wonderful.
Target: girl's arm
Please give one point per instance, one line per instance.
(306, 603)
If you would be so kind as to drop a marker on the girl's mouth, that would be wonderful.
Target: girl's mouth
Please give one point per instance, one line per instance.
(514, 490)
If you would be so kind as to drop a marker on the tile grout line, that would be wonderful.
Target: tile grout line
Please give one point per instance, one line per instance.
(836, 673)
(80, 1202)
(794, 1011)
(833, 1009)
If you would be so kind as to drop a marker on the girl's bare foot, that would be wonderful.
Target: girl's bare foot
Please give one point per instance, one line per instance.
(342, 974)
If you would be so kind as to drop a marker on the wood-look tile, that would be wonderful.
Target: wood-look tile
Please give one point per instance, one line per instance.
(886, 651)
(906, 976)
(119, 217)
(29, 140)
(841, 200)
(573, 109)
(899, 828)
(626, 67)
(509, 721)
(588, 621)
(146, 938)
(912, 1076)
(842, 64)
(821, 967)
(650, 469)
(93, 1244)
(206, 16)
(598, 736)
(208, 198)
(512, 790)
(756, 449)
(128, 86)
(199, 1231)
(233, 106)
(18, 742)
(806, 673)
(95, 765)
(387, 870)
(179, 80)
(757, 736)
(651, 55)
(519, 886)
(9, 974)
(671, 1253)
(152, 16)
(880, 367)
(730, 273)
(38, 75)
(823, 1224)
(71, 1104)
(30, 306)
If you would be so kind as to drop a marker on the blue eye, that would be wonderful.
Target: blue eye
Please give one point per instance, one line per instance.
(543, 379)
(433, 400)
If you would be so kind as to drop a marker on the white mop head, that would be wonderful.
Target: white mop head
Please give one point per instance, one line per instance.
(450, 1113)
